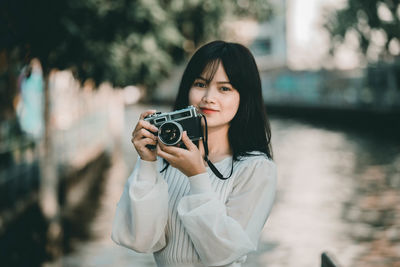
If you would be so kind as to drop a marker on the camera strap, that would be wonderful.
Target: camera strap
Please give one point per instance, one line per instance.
(210, 164)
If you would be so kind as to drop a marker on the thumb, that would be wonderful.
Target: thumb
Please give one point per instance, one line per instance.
(188, 143)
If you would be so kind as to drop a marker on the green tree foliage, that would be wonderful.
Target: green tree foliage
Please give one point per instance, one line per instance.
(120, 41)
(368, 19)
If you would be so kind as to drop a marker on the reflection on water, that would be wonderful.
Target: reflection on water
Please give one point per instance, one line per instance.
(338, 191)
(315, 167)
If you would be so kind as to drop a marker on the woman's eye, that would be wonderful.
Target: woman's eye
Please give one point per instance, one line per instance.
(200, 84)
(225, 89)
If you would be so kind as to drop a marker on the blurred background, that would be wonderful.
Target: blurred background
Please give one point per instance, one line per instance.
(75, 75)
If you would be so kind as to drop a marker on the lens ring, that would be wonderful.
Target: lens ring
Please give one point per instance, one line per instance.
(170, 133)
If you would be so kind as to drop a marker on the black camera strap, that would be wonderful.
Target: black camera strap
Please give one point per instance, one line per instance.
(210, 164)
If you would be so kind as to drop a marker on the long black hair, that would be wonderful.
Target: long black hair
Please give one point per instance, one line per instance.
(249, 130)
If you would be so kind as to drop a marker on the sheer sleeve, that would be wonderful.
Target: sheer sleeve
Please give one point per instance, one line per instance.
(223, 233)
(141, 213)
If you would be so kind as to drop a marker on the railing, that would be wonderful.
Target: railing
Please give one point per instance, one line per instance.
(376, 88)
(83, 125)
(19, 176)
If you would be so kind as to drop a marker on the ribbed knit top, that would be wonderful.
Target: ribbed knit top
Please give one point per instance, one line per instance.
(199, 220)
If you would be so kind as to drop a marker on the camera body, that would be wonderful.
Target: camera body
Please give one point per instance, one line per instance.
(172, 124)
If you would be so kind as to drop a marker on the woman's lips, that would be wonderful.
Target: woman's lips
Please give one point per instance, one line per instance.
(208, 111)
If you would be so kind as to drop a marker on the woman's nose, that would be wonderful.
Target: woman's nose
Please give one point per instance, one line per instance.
(209, 95)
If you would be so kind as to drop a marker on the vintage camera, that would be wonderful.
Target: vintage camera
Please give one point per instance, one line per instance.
(172, 124)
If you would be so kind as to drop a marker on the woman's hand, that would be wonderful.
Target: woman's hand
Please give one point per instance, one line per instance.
(142, 136)
(189, 161)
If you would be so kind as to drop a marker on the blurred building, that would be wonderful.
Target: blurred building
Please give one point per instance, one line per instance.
(291, 50)
(270, 44)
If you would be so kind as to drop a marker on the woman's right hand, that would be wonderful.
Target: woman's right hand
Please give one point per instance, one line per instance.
(142, 136)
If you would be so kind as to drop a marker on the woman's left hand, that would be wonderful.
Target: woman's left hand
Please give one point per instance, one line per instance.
(189, 161)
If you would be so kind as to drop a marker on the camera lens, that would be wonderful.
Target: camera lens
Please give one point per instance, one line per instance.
(170, 133)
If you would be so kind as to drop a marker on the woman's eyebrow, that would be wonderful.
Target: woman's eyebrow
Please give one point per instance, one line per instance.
(204, 79)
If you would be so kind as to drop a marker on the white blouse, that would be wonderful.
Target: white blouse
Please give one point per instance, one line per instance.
(199, 220)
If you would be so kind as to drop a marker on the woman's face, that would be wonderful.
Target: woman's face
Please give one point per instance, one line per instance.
(217, 100)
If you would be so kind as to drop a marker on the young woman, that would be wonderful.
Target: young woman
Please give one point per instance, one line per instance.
(173, 204)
